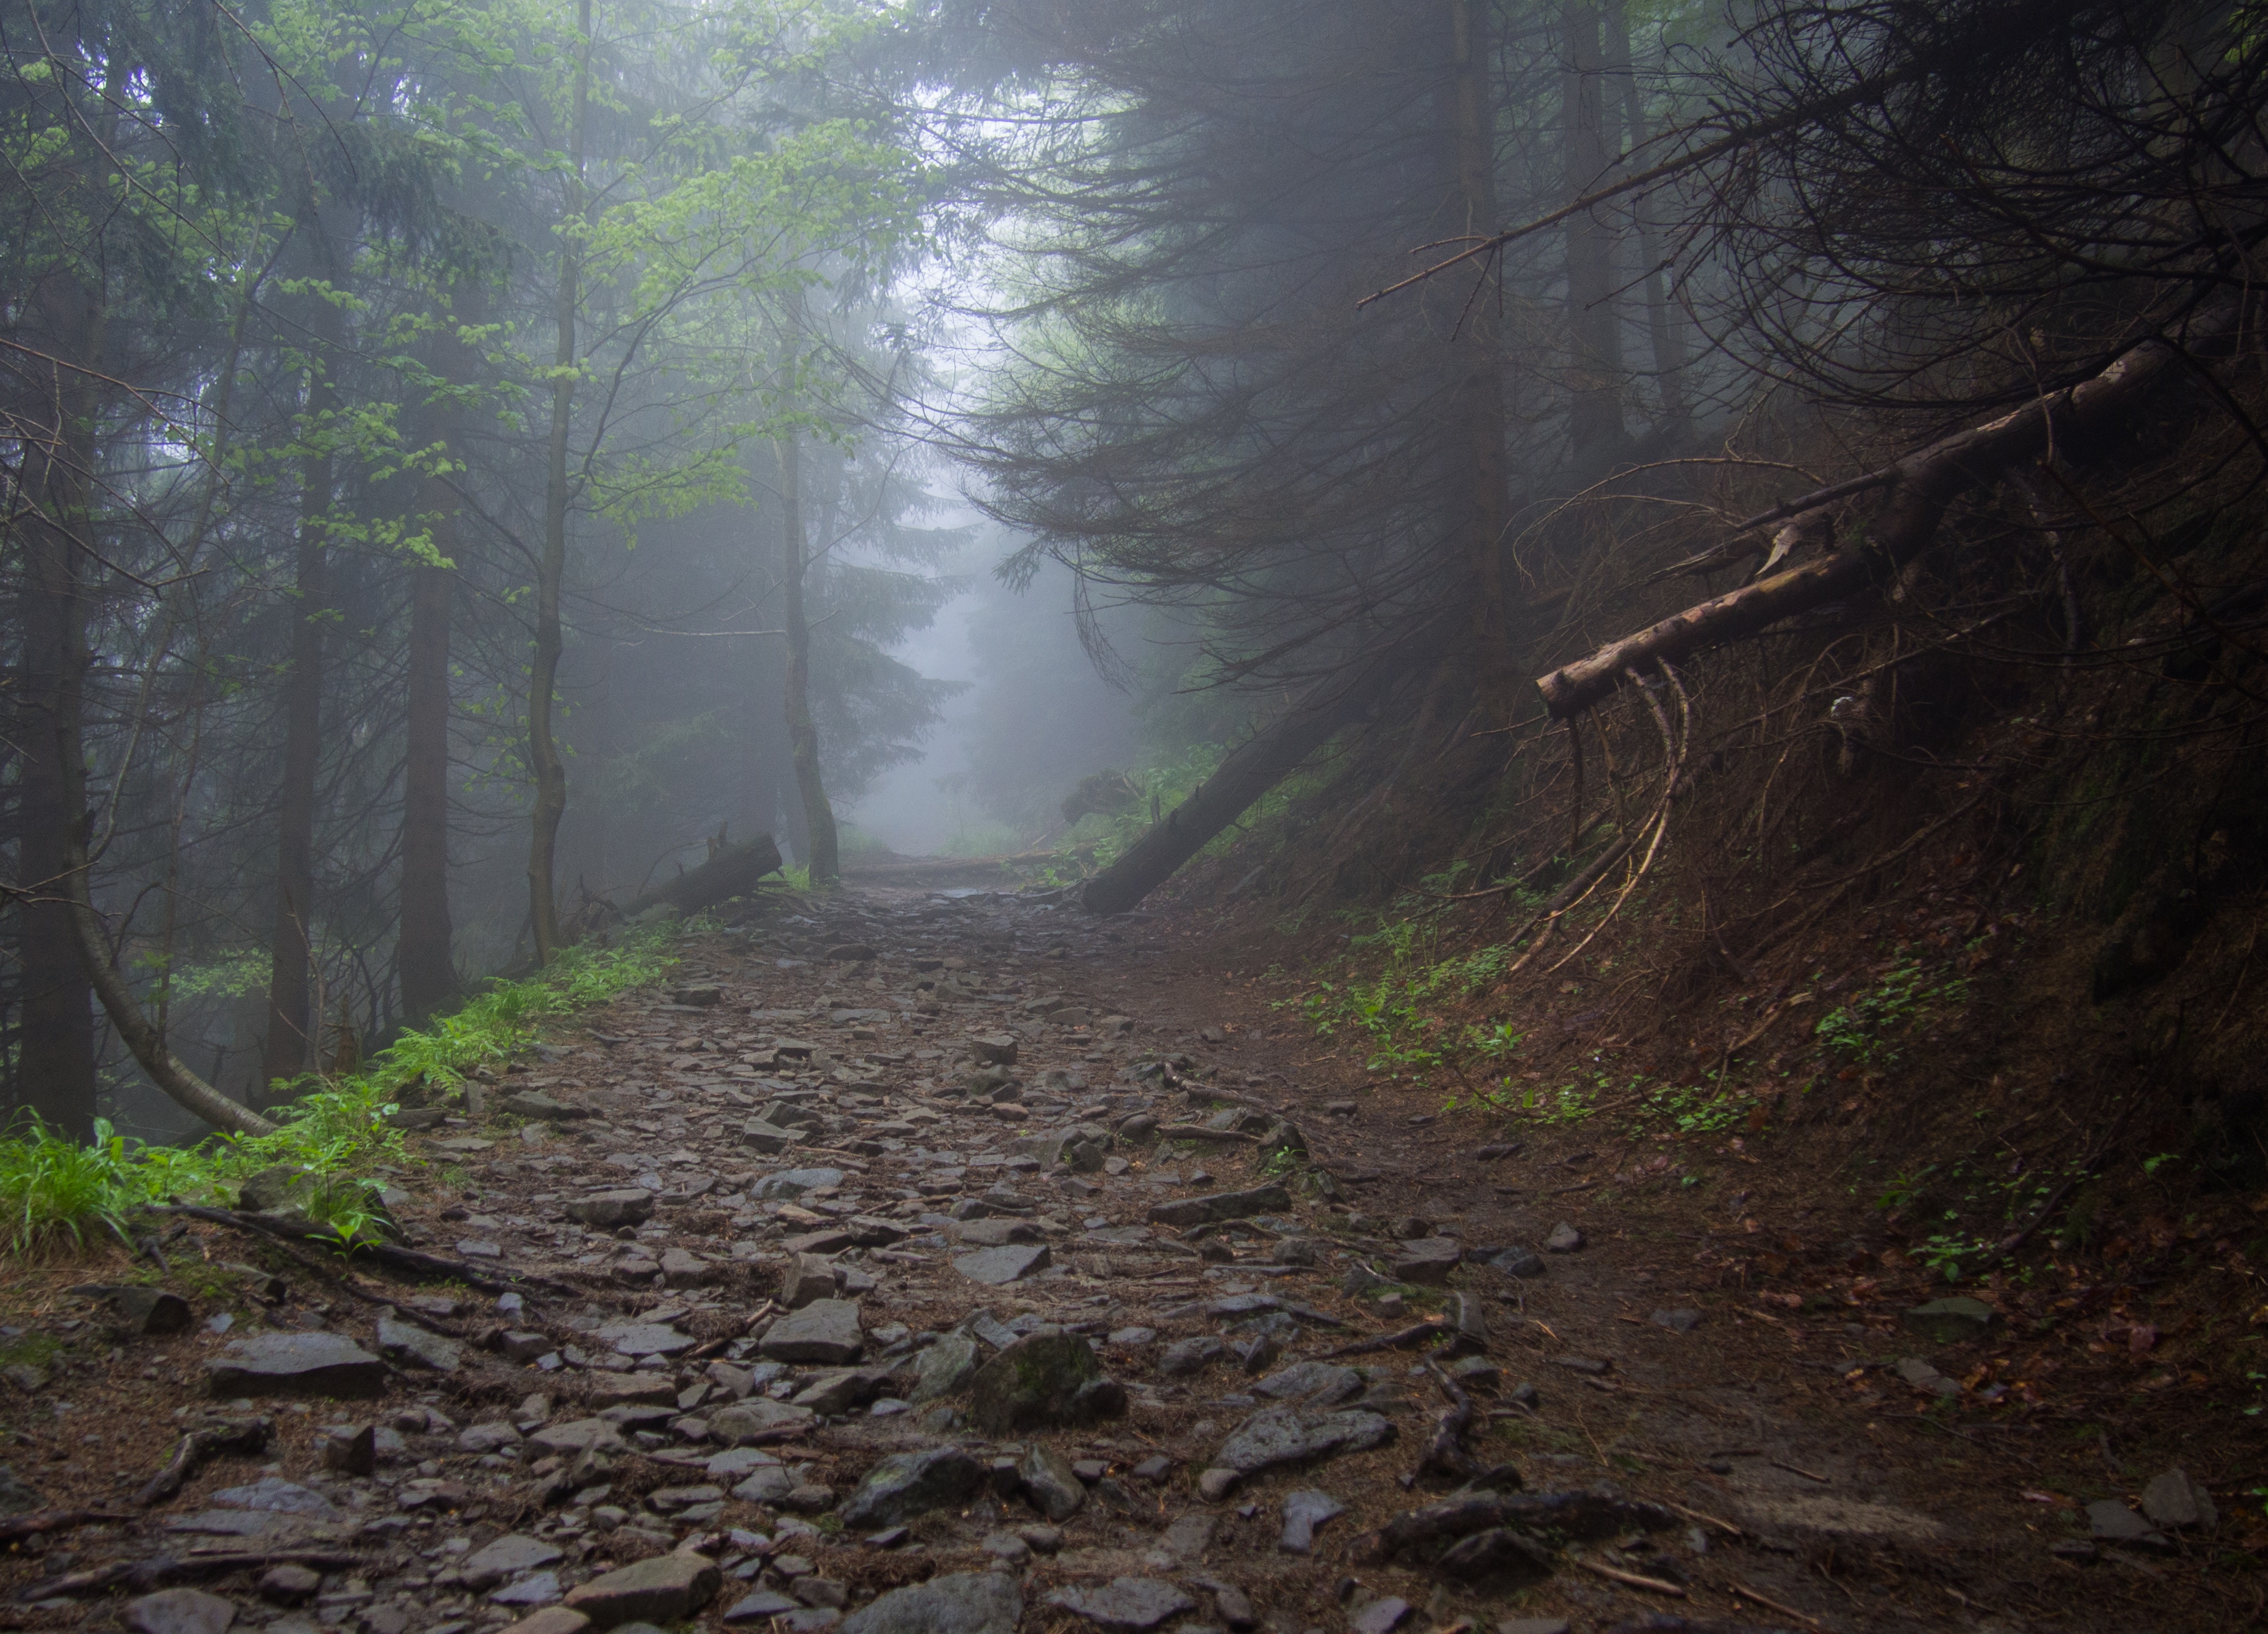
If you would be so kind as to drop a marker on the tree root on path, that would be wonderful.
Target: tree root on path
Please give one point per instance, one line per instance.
(1410, 1334)
(149, 1574)
(392, 1256)
(40, 1522)
(191, 1452)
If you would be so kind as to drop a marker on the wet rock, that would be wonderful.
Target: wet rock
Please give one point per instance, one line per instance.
(839, 1392)
(1277, 1438)
(945, 1367)
(768, 1137)
(273, 1495)
(408, 1345)
(908, 1485)
(758, 1417)
(1125, 1605)
(1677, 1321)
(826, 1331)
(2174, 1499)
(1314, 1384)
(1051, 1483)
(1042, 1381)
(577, 1435)
(1919, 1373)
(682, 1268)
(1565, 1238)
(997, 1233)
(1232, 1602)
(295, 1364)
(644, 1339)
(997, 1267)
(550, 1620)
(1184, 1356)
(663, 1589)
(2110, 1522)
(533, 1103)
(1950, 1321)
(1518, 1262)
(179, 1611)
(1304, 1510)
(1139, 1129)
(145, 1310)
(506, 1557)
(1379, 1616)
(289, 1585)
(793, 1184)
(537, 1588)
(607, 1390)
(1220, 1205)
(18, 1496)
(967, 1602)
(629, 1205)
(994, 1048)
(1259, 1353)
(757, 1607)
(1496, 1554)
(354, 1451)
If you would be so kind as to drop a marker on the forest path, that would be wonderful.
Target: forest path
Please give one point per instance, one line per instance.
(775, 1218)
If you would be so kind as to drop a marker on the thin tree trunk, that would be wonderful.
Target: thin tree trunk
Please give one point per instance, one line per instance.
(1480, 383)
(55, 1060)
(802, 733)
(1594, 417)
(1664, 324)
(289, 1048)
(551, 769)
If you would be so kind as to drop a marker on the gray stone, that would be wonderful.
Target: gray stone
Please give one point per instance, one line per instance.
(533, 1103)
(1131, 1336)
(945, 1367)
(758, 1417)
(907, 1484)
(295, 1364)
(2174, 1499)
(179, 1611)
(629, 1205)
(997, 1267)
(1565, 1238)
(1520, 1262)
(1189, 1356)
(997, 1233)
(994, 1048)
(1379, 1616)
(273, 1495)
(2110, 1522)
(1428, 1260)
(537, 1588)
(1497, 1555)
(644, 1339)
(1125, 1605)
(506, 1557)
(1220, 1205)
(1314, 1384)
(1677, 1321)
(794, 1184)
(289, 1585)
(766, 1486)
(840, 1390)
(408, 1345)
(1277, 1437)
(1234, 1604)
(1950, 1321)
(663, 1589)
(145, 1310)
(965, 1602)
(768, 1137)
(756, 1608)
(18, 1497)
(1917, 1372)
(1304, 1510)
(682, 1268)
(577, 1435)
(1042, 1381)
(1051, 1483)
(808, 1277)
(826, 1331)
(1532, 1625)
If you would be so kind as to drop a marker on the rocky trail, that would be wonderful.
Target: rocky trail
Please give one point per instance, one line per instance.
(939, 1263)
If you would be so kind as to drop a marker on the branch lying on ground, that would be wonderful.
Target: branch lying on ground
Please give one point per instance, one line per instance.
(193, 1450)
(410, 1261)
(40, 1522)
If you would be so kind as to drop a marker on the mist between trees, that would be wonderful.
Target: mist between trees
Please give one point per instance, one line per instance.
(463, 457)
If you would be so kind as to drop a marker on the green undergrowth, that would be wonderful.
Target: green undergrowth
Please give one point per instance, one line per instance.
(58, 1195)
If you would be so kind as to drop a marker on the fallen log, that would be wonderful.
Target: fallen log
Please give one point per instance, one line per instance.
(1921, 488)
(410, 1261)
(732, 871)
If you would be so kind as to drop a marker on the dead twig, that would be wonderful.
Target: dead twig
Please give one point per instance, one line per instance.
(1652, 1585)
(1412, 1335)
(1770, 1604)
(1446, 1453)
(191, 1452)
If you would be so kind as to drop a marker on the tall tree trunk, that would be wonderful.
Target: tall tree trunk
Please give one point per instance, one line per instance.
(289, 1049)
(551, 769)
(1664, 321)
(1594, 416)
(55, 1060)
(1479, 394)
(802, 733)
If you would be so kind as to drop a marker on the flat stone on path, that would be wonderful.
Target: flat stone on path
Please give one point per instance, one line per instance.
(179, 1611)
(997, 1267)
(644, 1339)
(2110, 1522)
(628, 1205)
(758, 1416)
(274, 1495)
(1125, 1605)
(945, 1367)
(905, 1485)
(295, 1364)
(1677, 1321)
(1381, 1616)
(412, 1346)
(1318, 1384)
(1427, 1260)
(664, 1589)
(537, 1588)
(1950, 1321)
(961, 1602)
(825, 1331)
(1220, 1205)
(2174, 1499)
(755, 1608)
(550, 1620)
(1304, 1510)
(1565, 1238)
(1277, 1437)
(1042, 1381)
(793, 1184)
(506, 1557)
(1189, 1356)
(1520, 1262)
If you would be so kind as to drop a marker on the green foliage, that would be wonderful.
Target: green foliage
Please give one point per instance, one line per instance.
(1402, 1011)
(1862, 1031)
(55, 1194)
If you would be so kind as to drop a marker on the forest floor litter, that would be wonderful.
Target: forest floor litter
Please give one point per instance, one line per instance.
(920, 1263)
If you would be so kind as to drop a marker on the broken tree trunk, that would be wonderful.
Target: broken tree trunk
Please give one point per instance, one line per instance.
(732, 871)
(1920, 486)
(1251, 769)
